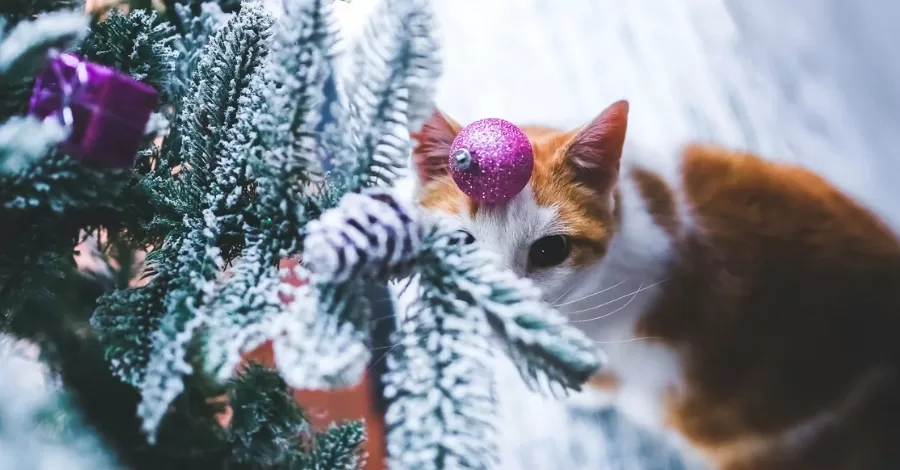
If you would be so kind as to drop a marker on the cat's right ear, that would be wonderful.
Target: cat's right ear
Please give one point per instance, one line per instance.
(595, 152)
(432, 149)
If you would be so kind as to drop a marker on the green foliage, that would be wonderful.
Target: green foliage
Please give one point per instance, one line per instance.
(52, 198)
(269, 430)
(120, 315)
(266, 422)
(448, 393)
(216, 128)
(194, 32)
(337, 448)
(397, 67)
(49, 197)
(14, 11)
(139, 44)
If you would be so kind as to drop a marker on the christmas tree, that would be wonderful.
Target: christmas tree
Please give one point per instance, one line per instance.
(257, 150)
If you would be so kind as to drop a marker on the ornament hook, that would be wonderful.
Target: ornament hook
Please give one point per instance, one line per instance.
(462, 159)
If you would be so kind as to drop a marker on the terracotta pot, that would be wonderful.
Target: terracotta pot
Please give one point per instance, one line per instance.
(326, 407)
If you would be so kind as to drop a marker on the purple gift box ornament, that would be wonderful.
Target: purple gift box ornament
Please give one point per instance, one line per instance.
(105, 111)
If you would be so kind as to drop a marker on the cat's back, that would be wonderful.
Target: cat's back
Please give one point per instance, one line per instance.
(742, 198)
(784, 295)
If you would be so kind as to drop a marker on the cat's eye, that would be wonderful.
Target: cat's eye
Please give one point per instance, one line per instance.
(467, 237)
(549, 251)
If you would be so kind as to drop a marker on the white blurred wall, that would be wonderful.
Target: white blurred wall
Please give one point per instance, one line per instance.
(808, 81)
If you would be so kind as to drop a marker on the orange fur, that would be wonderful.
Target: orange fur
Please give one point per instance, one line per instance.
(781, 299)
(553, 181)
(784, 303)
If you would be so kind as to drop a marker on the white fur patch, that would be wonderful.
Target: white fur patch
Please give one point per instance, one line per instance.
(509, 229)
(607, 299)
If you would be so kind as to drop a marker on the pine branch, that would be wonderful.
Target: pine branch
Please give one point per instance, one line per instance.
(139, 44)
(56, 186)
(124, 322)
(338, 448)
(267, 424)
(269, 431)
(323, 340)
(243, 311)
(366, 238)
(438, 381)
(18, 10)
(439, 385)
(217, 131)
(299, 64)
(396, 68)
(194, 7)
(195, 29)
(189, 437)
(547, 351)
(196, 267)
(287, 119)
(219, 106)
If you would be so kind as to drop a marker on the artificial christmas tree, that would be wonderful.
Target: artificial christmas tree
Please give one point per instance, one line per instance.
(259, 151)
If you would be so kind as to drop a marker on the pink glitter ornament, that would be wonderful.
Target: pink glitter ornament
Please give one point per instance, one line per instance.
(105, 111)
(491, 160)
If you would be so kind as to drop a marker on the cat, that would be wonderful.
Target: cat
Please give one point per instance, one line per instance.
(750, 309)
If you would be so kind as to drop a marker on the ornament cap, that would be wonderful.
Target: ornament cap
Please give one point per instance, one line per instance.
(462, 159)
(491, 160)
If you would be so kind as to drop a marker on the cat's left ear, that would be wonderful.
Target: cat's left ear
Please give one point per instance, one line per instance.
(596, 150)
(431, 153)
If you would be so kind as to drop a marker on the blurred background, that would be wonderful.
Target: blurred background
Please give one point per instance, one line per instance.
(807, 81)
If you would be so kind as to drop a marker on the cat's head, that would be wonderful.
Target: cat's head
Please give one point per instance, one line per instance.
(562, 221)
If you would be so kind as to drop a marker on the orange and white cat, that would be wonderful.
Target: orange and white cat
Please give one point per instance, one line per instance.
(749, 309)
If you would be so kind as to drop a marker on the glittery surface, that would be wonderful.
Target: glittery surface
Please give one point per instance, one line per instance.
(502, 160)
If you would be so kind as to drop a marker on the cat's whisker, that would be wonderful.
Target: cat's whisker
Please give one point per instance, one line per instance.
(630, 294)
(553, 304)
(589, 295)
(374, 362)
(622, 307)
(640, 287)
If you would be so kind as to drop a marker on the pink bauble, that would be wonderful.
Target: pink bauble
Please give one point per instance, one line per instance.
(491, 160)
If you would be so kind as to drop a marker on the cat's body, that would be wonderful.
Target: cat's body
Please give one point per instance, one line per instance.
(749, 309)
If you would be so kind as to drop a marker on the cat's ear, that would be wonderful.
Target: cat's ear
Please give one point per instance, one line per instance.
(596, 150)
(432, 148)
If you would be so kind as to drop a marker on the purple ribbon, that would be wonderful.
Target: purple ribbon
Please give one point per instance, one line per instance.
(68, 86)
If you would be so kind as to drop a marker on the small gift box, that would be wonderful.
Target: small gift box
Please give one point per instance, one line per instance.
(105, 111)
